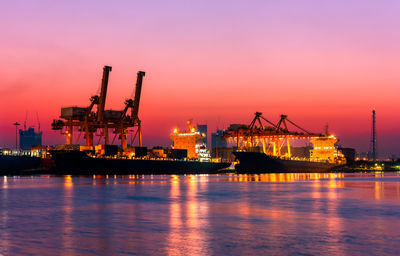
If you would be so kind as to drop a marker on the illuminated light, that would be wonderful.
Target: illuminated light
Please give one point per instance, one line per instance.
(68, 181)
(192, 130)
(174, 179)
(176, 130)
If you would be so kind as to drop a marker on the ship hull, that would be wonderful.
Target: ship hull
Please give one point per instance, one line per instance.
(15, 165)
(78, 164)
(255, 162)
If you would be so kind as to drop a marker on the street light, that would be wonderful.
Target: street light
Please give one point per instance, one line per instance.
(16, 135)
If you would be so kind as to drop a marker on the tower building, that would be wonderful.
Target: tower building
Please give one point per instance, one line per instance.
(28, 138)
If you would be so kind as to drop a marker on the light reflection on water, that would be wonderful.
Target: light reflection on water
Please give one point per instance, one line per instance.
(285, 214)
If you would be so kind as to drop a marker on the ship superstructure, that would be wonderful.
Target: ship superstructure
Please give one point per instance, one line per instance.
(326, 150)
(192, 140)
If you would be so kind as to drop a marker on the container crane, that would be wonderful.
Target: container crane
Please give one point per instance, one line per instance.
(271, 136)
(132, 120)
(89, 121)
(83, 117)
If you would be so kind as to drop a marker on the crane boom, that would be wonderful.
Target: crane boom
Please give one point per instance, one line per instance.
(103, 93)
(138, 91)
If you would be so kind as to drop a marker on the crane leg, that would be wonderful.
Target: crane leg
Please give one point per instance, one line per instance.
(87, 136)
(288, 148)
(264, 148)
(134, 137)
(69, 135)
(79, 136)
(90, 135)
(140, 135)
(274, 145)
(123, 140)
(106, 139)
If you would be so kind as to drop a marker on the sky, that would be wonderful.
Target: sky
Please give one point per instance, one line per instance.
(216, 62)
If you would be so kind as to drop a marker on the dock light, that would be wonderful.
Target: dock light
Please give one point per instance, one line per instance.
(193, 130)
(176, 130)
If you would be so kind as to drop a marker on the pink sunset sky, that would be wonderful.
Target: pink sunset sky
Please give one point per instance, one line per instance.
(216, 62)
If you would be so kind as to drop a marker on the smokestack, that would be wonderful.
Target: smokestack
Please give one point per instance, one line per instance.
(373, 136)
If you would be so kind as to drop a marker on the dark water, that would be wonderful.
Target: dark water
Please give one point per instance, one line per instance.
(270, 214)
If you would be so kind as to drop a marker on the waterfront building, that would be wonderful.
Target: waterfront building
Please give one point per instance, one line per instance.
(29, 138)
(217, 140)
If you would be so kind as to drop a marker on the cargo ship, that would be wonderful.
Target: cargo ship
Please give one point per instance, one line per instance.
(188, 155)
(323, 157)
(258, 162)
(80, 163)
(19, 164)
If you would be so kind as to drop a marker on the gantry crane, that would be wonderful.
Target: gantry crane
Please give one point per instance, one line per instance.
(89, 122)
(272, 136)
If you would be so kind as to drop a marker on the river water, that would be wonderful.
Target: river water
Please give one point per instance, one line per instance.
(267, 214)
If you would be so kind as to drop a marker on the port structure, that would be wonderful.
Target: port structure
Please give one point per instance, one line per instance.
(272, 136)
(89, 122)
(373, 137)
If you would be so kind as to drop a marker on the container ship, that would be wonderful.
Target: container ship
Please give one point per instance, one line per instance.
(19, 164)
(258, 162)
(80, 163)
(264, 146)
(323, 157)
(188, 155)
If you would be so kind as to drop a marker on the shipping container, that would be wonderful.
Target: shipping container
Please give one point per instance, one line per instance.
(73, 147)
(112, 114)
(73, 112)
(107, 150)
(140, 151)
(176, 153)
